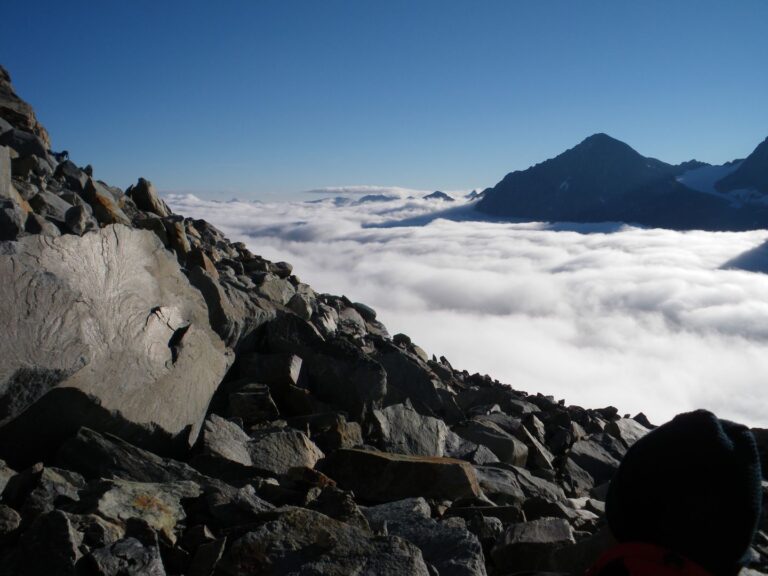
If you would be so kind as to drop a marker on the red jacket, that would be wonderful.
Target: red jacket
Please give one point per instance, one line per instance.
(639, 559)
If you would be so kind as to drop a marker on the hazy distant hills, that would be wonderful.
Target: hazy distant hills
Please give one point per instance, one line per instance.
(604, 179)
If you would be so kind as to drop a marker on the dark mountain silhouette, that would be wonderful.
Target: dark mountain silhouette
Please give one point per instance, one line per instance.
(604, 179)
(752, 174)
(438, 195)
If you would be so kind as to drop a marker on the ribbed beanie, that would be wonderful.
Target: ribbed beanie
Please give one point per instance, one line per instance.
(692, 485)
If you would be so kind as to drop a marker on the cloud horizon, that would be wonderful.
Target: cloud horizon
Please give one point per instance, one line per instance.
(646, 320)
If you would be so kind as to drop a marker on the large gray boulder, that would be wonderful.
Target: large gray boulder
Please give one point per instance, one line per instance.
(402, 430)
(104, 331)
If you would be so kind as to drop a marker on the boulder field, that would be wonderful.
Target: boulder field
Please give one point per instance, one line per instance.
(173, 404)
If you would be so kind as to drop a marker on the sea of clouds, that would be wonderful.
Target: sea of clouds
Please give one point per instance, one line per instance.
(646, 320)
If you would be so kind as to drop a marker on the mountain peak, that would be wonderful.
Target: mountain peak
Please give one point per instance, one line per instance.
(600, 137)
(602, 142)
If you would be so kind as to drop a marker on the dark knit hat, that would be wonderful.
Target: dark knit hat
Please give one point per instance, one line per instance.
(693, 485)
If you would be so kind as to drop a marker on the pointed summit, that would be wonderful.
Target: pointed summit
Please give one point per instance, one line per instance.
(582, 182)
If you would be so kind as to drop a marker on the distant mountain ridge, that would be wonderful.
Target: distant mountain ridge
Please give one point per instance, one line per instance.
(604, 179)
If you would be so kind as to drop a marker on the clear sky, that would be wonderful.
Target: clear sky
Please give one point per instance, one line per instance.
(263, 99)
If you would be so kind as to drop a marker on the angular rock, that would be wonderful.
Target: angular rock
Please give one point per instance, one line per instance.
(207, 557)
(281, 269)
(451, 549)
(197, 257)
(9, 521)
(177, 237)
(351, 322)
(368, 313)
(24, 143)
(530, 545)
(275, 370)
(234, 314)
(277, 451)
(402, 430)
(399, 511)
(628, 430)
(96, 531)
(50, 206)
(458, 447)
(159, 505)
(534, 486)
(16, 112)
(506, 447)
(74, 178)
(300, 541)
(410, 378)
(539, 457)
(50, 546)
(340, 505)
(38, 225)
(330, 431)
(500, 485)
(337, 372)
(105, 209)
(127, 557)
(590, 455)
(27, 166)
(381, 477)
(224, 445)
(145, 197)
(537, 508)
(504, 514)
(301, 306)
(104, 456)
(39, 489)
(234, 508)
(275, 289)
(79, 220)
(135, 354)
(253, 403)
(272, 451)
(578, 480)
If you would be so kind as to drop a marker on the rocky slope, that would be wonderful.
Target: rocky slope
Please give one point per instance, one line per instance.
(171, 403)
(602, 179)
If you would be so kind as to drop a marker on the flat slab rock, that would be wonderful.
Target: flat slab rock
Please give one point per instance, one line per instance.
(381, 477)
(107, 333)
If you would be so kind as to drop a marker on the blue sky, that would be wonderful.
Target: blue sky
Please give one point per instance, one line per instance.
(264, 99)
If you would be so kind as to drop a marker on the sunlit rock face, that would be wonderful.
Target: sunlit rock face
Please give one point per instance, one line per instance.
(106, 332)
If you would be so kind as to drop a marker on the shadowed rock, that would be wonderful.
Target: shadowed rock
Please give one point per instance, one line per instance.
(301, 541)
(382, 477)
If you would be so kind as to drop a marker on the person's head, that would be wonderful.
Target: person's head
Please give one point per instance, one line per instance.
(692, 485)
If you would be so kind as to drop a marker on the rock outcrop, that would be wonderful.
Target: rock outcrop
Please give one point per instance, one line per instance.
(171, 403)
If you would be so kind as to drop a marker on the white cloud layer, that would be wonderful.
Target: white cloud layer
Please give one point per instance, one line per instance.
(646, 320)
